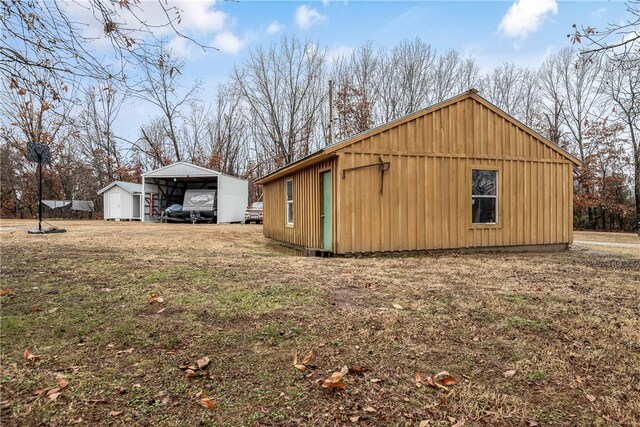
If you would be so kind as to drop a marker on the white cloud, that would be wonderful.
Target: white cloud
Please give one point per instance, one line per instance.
(227, 42)
(307, 16)
(197, 18)
(339, 52)
(524, 16)
(274, 27)
(181, 47)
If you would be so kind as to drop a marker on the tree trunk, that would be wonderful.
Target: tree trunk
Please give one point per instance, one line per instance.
(637, 194)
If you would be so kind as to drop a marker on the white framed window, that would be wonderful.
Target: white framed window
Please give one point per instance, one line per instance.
(484, 196)
(289, 207)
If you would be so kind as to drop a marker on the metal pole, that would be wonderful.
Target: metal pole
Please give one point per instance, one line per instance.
(40, 195)
(331, 112)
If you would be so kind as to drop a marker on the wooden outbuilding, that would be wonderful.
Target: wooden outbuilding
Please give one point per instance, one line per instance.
(458, 174)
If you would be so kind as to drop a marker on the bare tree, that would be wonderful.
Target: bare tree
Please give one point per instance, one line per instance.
(579, 89)
(445, 77)
(160, 85)
(34, 117)
(552, 122)
(151, 148)
(621, 83)
(403, 77)
(468, 75)
(503, 87)
(96, 132)
(617, 40)
(193, 132)
(227, 132)
(284, 87)
(42, 44)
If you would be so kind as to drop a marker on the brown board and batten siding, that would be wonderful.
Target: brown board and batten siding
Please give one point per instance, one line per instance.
(306, 230)
(425, 201)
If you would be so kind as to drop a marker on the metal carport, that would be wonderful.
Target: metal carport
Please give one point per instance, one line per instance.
(167, 185)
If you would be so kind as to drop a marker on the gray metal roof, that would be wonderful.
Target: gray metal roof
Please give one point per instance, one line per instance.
(131, 187)
(181, 170)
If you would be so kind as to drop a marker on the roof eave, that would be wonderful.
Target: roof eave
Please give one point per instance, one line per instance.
(312, 159)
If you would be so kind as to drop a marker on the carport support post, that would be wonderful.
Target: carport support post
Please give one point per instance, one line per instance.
(144, 194)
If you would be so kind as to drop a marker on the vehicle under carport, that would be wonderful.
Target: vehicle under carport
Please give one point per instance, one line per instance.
(167, 186)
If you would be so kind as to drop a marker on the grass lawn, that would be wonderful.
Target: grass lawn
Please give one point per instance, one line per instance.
(119, 309)
(599, 236)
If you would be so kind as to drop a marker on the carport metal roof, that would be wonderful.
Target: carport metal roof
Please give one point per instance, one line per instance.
(181, 170)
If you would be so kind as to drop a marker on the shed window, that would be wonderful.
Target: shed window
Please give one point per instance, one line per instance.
(484, 196)
(289, 186)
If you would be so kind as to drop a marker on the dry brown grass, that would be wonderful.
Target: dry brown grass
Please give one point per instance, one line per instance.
(568, 323)
(600, 236)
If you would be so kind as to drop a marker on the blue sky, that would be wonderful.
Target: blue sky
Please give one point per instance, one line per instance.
(493, 32)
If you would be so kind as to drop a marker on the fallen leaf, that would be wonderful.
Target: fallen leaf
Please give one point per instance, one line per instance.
(425, 423)
(306, 361)
(42, 391)
(355, 418)
(36, 308)
(532, 423)
(307, 358)
(335, 380)
(375, 380)
(115, 413)
(106, 289)
(357, 370)
(422, 378)
(419, 378)
(54, 396)
(449, 381)
(6, 292)
(31, 357)
(296, 364)
(62, 381)
(161, 310)
(194, 374)
(369, 409)
(53, 310)
(156, 299)
(397, 306)
(445, 378)
(127, 351)
(53, 391)
(591, 398)
(509, 374)
(203, 362)
(207, 403)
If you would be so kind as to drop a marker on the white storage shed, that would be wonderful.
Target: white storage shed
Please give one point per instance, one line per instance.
(122, 200)
(167, 185)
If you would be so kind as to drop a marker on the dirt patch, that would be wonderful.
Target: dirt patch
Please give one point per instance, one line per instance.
(567, 323)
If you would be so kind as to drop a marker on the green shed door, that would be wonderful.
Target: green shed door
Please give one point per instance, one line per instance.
(326, 210)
